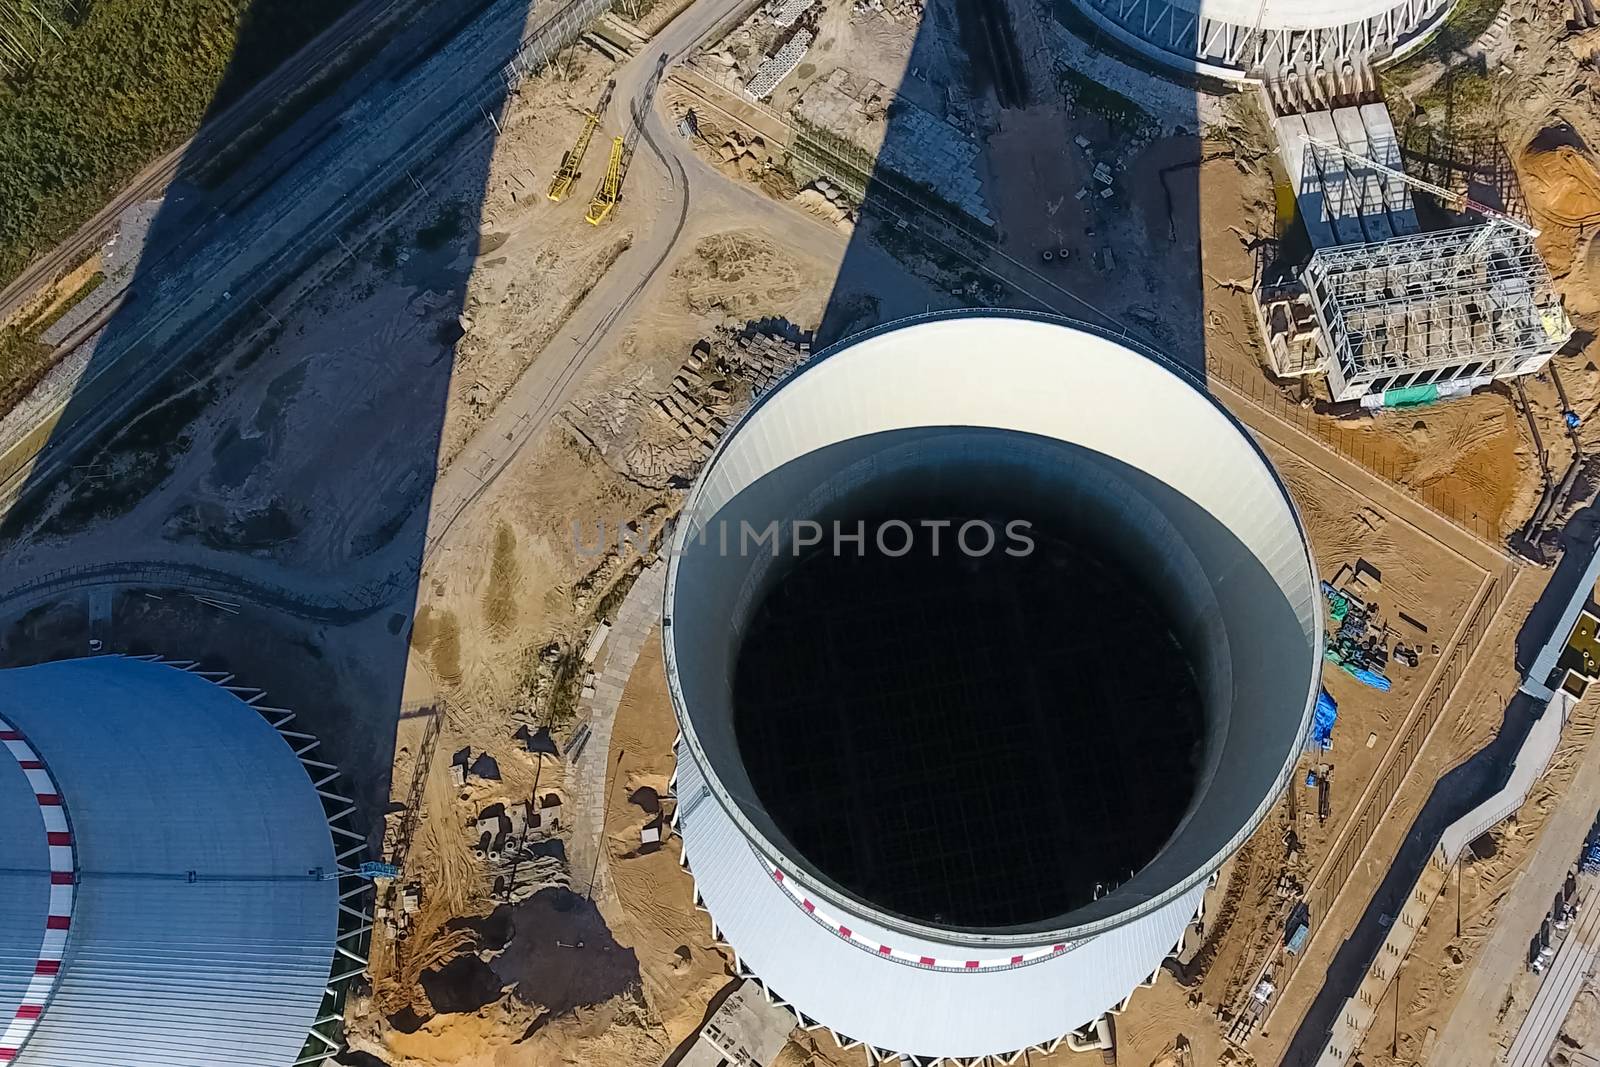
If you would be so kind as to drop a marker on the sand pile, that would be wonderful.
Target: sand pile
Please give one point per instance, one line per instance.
(1560, 179)
(1562, 184)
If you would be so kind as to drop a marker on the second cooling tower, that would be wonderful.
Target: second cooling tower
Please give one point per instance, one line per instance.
(990, 638)
(1271, 40)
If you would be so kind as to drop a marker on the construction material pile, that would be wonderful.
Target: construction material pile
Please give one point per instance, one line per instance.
(1352, 644)
(1360, 639)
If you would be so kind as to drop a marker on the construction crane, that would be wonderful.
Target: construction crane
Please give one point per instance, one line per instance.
(1459, 201)
(610, 190)
(567, 173)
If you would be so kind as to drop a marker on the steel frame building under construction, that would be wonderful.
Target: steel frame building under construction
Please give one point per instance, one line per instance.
(1393, 314)
(1457, 306)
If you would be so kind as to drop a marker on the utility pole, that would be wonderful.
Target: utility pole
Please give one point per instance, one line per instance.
(1458, 896)
(1394, 1042)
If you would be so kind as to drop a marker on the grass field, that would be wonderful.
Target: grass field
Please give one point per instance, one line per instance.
(112, 85)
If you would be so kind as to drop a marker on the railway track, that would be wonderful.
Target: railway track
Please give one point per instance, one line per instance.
(215, 134)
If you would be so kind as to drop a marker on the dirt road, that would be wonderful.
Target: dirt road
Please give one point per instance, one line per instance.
(698, 199)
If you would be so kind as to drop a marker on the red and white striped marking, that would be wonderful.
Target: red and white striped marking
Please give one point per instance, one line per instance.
(912, 959)
(63, 864)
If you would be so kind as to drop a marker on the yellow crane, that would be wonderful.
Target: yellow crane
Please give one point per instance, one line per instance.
(567, 173)
(610, 191)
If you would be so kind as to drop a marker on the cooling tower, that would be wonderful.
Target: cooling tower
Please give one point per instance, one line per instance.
(1270, 40)
(169, 888)
(990, 638)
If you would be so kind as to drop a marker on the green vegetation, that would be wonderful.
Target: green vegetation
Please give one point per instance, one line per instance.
(1086, 94)
(59, 312)
(1465, 25)
(1461, 103)
(24, 359)
(115, 86)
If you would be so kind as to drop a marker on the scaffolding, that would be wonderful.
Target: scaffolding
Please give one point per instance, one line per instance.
(1430, 309)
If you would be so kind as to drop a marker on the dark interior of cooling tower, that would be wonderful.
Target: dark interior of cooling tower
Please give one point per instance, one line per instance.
(983, 742)
(983, 734)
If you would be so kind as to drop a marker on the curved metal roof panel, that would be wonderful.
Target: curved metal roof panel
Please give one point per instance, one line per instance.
(24, 888)
(204, 915)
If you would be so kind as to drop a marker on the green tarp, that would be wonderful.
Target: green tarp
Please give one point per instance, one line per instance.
(1410, 396)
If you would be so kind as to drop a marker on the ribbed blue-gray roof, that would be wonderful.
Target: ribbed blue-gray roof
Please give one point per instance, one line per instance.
(203, 919)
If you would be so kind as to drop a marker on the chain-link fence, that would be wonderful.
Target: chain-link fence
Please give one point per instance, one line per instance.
(542, 44)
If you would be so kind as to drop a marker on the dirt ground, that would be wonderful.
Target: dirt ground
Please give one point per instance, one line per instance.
(1472, 720)
(1439, 961)
(1419, 575)
(405, 355)
(1478, 451)
(680, 965)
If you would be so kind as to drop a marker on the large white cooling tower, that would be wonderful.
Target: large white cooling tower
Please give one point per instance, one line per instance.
(957, 800)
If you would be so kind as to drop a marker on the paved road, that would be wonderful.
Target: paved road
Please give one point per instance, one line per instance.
(663, 169)
(1463, 1042)
(698, 198)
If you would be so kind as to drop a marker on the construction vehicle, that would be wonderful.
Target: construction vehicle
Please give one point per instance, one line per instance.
(610, 191)
(567, 173)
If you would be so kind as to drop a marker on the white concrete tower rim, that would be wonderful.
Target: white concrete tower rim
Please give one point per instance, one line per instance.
(1240, 40)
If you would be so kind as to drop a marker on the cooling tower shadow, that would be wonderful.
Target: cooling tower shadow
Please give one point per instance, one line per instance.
(1022, 165)
(1453, 796)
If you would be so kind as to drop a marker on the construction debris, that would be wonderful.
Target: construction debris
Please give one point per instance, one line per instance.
(665, 441)
(778, 66)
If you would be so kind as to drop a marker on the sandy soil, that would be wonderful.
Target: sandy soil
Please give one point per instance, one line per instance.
(1420, 577)
(393, 367)
(680, 965)
(1473, 718)
(516, 585)
(1440, 960)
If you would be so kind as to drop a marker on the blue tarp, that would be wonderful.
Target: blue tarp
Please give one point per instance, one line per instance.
(1322, 721)
(1372, 678)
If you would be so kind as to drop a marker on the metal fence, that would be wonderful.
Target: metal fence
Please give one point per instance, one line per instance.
(542, 44)
(1355, 445)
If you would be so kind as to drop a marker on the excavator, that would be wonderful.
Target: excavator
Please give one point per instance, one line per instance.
(567, 173)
